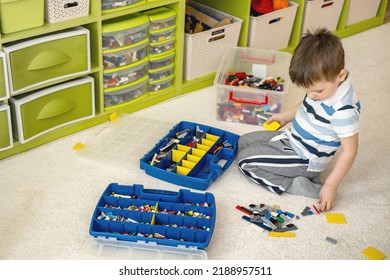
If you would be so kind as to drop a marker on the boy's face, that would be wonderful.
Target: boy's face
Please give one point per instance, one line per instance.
(323, 90)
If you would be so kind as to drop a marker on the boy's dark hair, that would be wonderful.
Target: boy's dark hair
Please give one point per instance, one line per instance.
(318, 56)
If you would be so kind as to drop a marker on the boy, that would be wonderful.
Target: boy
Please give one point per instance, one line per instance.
(327, 119)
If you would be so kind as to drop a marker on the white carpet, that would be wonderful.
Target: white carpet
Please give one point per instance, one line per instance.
(48, 194)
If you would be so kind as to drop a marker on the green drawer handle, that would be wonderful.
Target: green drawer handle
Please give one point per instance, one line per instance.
(56, 108)
(48, 59)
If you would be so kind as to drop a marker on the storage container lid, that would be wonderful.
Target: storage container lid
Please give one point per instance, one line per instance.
(101, 248)
(119, 24)
(160, 14)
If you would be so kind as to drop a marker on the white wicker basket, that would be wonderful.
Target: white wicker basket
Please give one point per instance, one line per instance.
(272, 31)
(321, 13)
(360, 10)
(203, 51)
(61, 10)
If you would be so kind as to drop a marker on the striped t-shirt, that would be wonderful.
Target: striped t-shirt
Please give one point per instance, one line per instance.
(318, 126)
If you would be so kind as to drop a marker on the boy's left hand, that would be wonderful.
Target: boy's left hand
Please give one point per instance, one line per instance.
(327, 198)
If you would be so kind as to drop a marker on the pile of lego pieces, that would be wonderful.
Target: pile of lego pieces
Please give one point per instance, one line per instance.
(241, 79)
(272, 219)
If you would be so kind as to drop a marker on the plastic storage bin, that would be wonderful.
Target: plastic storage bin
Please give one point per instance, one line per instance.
(159, 85)
(6, 140)
(161, 18)
(191, 155)
(13, 15)
(37, 62)
(39, 112)
(123, 95)
(272, 31)
(120, 32)
(159, 61)
(4, 91)
(126, 74)
(161, 73)
(134, 214)
(161, 47)
(360, 10)
(203, 51)
(125, 56)
(248, 104)
(61, 10)
(115, 5)
(161, 35)
(321, 13)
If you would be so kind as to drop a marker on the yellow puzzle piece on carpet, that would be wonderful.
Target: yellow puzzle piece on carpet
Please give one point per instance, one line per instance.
(271, 126)
(281, 234)
(373, 254)
(78, 146)
(335, 218)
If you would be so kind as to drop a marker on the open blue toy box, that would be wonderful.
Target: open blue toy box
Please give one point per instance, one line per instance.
(159, 224)
(191, 155)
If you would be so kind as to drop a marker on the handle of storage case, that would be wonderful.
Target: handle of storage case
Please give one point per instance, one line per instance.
(71, 4)
(247, 101)
(56, 108)
(327, 4)
(48, 59)
(159, 192)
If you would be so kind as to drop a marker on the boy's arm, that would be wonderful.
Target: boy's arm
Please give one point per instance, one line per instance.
(285, 117)
(349, 147)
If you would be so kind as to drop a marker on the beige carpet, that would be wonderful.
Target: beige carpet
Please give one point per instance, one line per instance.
(48, 194)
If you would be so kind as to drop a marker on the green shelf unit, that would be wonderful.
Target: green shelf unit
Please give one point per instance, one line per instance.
(93, 22)
(344, 30)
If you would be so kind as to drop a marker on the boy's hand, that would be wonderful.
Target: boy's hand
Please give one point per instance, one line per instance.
(327, 198)
(277, 118)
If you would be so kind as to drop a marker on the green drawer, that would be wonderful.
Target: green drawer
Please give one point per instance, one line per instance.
(43, 111)
(5, 128)
(35, 63)
(17, 15)
(3, 79)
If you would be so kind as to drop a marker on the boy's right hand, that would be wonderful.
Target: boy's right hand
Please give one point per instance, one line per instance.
(277, 118)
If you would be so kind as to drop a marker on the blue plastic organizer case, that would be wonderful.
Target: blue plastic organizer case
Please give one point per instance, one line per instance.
(132, 213)
(191, 155)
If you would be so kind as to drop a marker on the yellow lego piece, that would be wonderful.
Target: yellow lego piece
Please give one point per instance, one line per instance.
(281, 234)
(78, 146)
(373, 254)
(273, 126)
(113, 117)
(335, 218)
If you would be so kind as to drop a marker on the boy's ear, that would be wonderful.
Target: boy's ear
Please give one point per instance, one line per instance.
(342, 75)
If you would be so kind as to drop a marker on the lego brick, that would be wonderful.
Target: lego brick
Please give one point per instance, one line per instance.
(373, 253)
(335, 218)
(281, 234)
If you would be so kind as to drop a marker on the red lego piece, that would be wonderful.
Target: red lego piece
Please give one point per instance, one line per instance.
(262, 6)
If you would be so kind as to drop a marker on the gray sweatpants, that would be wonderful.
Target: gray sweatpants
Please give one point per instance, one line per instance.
(274, 165)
